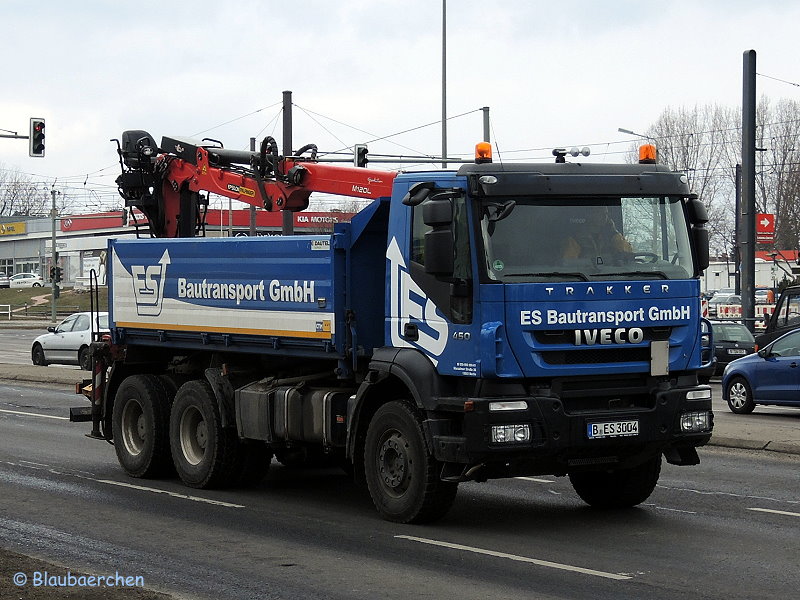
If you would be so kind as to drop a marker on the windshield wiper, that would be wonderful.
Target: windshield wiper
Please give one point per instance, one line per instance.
(657, 274)
(579, 276)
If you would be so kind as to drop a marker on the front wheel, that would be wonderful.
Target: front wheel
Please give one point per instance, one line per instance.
(740, 396)
(619, 488)
(37, 356)
(402, 476)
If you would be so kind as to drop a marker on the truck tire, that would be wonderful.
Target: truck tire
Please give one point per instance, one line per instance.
(204, 453)
(402, 477)
(620, 488)
(140, 425)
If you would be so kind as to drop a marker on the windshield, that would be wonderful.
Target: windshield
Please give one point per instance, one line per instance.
(585, 239)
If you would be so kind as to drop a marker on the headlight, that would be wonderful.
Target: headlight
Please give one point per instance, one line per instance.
(511, 433)
(693, 422)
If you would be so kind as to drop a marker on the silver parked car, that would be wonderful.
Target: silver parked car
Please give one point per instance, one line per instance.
(68, 342)
(23, 280)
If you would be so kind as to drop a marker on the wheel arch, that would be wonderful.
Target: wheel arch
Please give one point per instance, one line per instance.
(394, 374)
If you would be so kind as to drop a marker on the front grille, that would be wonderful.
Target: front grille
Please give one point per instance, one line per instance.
(596, 355)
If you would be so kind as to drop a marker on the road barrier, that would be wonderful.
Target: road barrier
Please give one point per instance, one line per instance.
(6, 308)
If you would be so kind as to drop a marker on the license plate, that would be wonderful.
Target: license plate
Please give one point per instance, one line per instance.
(737, 351)
(612, 429)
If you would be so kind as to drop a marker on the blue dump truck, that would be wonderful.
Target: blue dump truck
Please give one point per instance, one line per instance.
(495, 321)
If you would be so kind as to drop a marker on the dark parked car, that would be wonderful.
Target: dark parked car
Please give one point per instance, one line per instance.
(771, 376)
(731, 341)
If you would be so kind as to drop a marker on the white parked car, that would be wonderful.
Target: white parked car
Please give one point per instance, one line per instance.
(23, 280)
(68, 342)
(4, 280)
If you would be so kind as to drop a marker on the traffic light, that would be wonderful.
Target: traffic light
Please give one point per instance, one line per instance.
(57, 275)
(52, 273)
(360, 155)
(36, 137)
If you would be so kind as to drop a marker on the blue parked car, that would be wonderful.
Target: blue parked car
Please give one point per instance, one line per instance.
(771, 376)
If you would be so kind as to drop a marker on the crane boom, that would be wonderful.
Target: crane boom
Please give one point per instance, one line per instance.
(165, 184)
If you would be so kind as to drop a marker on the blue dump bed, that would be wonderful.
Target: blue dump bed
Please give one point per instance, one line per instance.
(240, 294)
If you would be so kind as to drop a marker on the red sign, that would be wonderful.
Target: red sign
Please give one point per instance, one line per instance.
(765, 228)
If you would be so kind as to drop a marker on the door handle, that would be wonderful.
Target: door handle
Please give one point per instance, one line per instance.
(793, 365)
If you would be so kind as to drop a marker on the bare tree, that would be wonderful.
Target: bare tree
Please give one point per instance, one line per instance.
(706, 143)
(21, 196)
(693, 140)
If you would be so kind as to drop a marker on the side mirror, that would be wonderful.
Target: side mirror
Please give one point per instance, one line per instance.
(698, 215)
(51, 329)
(418, 193)
(700, 238)
(437, 213)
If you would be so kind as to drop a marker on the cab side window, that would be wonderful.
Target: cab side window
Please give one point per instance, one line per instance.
(453, 298)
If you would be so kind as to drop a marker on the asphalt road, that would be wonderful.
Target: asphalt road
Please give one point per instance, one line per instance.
(725, 529)
(15, 345)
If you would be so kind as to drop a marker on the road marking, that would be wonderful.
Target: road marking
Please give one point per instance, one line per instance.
(515, 557)
(776, 512)
(30, 414)
(678, 510)
(536, 479)
(168, 493)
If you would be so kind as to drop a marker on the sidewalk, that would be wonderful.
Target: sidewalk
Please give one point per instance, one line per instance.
(758, 431)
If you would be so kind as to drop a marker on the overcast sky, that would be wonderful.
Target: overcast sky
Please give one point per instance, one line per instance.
(553, 74)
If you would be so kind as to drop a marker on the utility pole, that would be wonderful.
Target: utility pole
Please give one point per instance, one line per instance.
(288, 216)
(252, 206)
(54, 255)
(747, 222)
(444, 84)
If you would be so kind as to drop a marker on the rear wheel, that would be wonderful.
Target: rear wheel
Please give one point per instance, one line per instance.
(140, 422)
(85, 358)
(37, 355)
(403, 478)
(740, 396)
(205, 454)
(620, 488)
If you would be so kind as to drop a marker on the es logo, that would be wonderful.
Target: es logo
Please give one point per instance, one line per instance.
(148, 286)
(409, 304)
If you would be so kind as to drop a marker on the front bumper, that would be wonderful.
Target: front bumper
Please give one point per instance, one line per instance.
(558, 440)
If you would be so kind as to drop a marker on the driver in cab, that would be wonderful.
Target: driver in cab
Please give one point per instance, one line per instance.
(593, 235)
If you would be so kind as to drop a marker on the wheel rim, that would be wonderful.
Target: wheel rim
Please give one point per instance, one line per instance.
(193, 435)
(738, 395)
(394, 464)
(38, 355)
(134, 427)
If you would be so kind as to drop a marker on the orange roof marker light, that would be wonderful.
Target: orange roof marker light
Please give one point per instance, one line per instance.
(647, 154)
(483, 153)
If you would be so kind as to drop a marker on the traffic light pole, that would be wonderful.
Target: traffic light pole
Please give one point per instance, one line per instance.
(54, 256)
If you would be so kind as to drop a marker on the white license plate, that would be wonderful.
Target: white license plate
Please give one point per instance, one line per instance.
(612, 429)
(737, 351)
